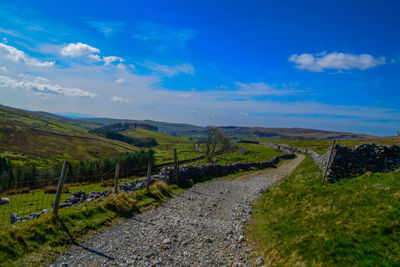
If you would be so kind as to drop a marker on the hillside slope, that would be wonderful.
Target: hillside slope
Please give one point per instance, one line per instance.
(287, 133)
(28, 138)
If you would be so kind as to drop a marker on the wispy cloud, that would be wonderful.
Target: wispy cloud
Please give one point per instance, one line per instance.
(17, 56)
(259, 88)
(119, 99)
(108, 28)
(335, 60)
(110, 59)
(42, 85)
(170, 70)
(162, 34)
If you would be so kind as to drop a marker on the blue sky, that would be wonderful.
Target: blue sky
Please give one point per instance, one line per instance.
(330, 65)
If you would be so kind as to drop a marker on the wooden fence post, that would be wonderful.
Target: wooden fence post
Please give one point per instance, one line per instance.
(60, 187)
(148, 175)
(116, 177)
(165, 174)
(176, 164)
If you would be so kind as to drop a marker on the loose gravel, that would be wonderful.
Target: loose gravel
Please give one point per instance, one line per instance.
(200, 227)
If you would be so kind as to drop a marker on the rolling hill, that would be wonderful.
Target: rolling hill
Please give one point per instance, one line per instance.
(32, 139)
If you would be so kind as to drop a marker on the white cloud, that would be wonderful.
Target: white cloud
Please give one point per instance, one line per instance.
(119, 80)
(335, 60)
(119, 99)
(111, 59)
(40, 85)
(78, 50)
(94, 57)
(244, 114)
(3, 69)
(15, 55)
(170, 71)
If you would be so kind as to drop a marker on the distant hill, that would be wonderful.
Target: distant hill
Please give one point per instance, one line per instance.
(174, 129)
(287, 133)
(194, 132)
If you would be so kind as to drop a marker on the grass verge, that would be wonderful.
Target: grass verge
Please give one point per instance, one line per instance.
(40, 241)
(302, 221)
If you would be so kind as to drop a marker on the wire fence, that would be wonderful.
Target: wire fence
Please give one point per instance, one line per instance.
(29, 198)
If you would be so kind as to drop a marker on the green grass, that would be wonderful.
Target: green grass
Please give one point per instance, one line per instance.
(36, 200)
(321, 146)
(166, 145)
(354, 222)
(255, 153)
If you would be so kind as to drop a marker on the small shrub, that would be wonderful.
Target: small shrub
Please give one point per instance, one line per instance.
(17, 191)
(121, 203)
(53, 189)
(107, 183)
(162, 187)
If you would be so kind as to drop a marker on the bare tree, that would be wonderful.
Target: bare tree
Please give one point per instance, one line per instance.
(217, 141)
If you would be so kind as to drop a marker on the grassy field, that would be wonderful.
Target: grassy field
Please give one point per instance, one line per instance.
(37, 200)
(304, 222)
(253, 153)
(321, 146)
(166, 145)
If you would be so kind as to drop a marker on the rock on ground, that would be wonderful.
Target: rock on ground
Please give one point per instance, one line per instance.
(200, 227)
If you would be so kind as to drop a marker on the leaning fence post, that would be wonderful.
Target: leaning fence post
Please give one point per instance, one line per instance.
(148, 175)
(176, 164)
(116, 177)
(60, 187)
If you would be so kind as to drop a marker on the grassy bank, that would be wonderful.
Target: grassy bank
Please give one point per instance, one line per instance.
(302, 221)
(38, 242)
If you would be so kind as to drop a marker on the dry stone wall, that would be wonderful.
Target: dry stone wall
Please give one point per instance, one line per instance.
(348, 162)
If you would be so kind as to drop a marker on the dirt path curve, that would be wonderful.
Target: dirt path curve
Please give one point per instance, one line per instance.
(200, 227)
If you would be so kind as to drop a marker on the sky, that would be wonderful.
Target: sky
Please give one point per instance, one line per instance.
(330, 65)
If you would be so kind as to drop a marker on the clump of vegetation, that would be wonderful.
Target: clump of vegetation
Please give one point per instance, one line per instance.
(121, 203)
(53, 189)
(354, 222)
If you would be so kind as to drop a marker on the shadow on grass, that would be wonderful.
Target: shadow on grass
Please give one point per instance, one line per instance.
(73, 241)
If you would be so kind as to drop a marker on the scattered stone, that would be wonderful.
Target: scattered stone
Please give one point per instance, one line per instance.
(4, 200)
(167, 241)
(259, 261)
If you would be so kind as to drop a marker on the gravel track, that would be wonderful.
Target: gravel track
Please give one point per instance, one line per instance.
(200, 227)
